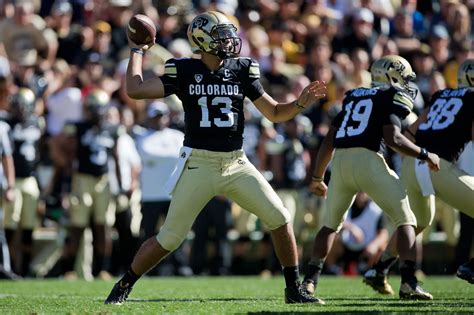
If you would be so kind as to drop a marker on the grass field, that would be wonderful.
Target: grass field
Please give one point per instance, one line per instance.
(226, 295)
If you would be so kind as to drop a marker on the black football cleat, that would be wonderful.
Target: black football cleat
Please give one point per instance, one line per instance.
(119, 294)
(466, 272)
(298, 295)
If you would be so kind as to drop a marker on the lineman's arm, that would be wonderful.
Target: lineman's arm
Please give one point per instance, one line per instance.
(398, 142)
(279, 112)
(325, 154)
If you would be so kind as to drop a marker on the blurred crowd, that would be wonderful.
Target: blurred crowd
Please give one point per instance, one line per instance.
(72, 55)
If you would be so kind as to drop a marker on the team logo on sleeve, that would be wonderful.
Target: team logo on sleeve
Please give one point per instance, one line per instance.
(198, 77)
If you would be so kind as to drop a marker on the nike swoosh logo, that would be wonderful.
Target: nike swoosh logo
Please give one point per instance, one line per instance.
(226, 79)
(192, 168)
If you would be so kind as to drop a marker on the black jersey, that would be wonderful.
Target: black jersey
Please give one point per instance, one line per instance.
(213, 100)
(94, 146)
(449, 124)
(25, 137)
(364, 113)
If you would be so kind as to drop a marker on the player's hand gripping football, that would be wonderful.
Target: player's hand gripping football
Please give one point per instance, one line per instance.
(433, 161)
(143, 47)
(314, 91)
(318, 188)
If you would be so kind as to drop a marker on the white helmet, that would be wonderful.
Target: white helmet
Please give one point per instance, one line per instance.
(466, 74)
(213, 33)
(395, 71)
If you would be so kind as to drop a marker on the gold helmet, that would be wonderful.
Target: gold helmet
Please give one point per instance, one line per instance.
(213, 33)
(97, 101)
(393, 70)
(23, 102)
(466, 74)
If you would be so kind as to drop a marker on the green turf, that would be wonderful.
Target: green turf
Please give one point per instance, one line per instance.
(226, 295)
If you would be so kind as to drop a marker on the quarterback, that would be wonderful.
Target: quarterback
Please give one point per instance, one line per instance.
(370, 118)
(212, 90)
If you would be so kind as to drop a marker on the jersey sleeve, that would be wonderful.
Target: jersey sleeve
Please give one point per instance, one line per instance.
(170, 77)
(253, 89)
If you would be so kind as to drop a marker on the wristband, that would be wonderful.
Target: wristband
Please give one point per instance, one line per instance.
(423, 154)
(298, 105)
(137, 51)
(317, 179)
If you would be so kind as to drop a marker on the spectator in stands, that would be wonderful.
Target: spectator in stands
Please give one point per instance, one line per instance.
(360, 75)
(459, 23)
(361, 34)
(439, 42)
(461, 51)
(423, 65)
(69, 35)
(404, 32)
(64, 99)
(119, 14)
(273, 79)
(26, 32)
(418, 19)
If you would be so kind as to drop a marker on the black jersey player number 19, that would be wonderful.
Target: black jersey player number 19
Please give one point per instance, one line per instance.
(360, 114)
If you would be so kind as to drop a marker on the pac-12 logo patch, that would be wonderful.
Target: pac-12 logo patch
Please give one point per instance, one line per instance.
(198, 77)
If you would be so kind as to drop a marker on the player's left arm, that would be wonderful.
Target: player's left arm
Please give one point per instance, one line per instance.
(325, 154)
(279, 112)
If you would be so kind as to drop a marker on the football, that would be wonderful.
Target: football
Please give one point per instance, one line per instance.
(141, 29)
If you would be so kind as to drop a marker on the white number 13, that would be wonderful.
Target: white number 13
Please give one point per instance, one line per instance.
(206, 122)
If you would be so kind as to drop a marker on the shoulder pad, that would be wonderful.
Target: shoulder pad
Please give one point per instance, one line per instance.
(249, 63)
(170, 68)
(403, 104)
(254, 69)
(404, 100)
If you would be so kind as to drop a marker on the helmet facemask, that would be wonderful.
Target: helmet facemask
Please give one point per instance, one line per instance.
(225, 41)
(404, 85)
